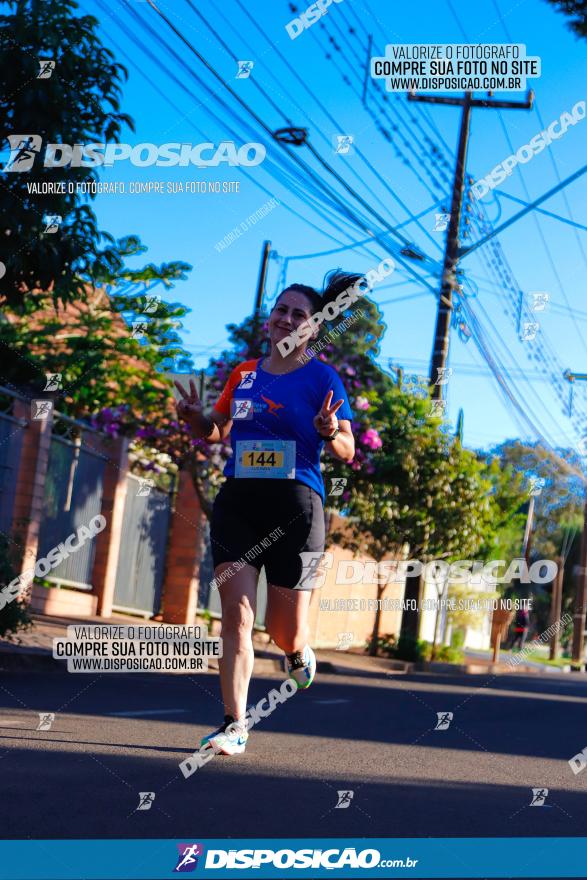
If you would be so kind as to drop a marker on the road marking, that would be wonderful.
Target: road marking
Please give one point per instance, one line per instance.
(6, 723)
(139, 712)
(330, 702)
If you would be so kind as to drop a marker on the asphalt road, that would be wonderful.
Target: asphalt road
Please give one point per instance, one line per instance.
(117, 735)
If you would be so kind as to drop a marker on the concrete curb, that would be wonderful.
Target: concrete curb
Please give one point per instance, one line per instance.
(20, 659)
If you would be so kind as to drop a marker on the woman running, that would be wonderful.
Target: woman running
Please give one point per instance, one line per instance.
(279, 412)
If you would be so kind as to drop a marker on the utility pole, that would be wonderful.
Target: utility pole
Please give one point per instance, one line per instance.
(580, 602)
(262, 275)
(452, 248)
(556, 607)
(580, 612)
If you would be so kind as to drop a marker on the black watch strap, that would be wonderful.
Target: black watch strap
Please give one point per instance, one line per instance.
(335, 433)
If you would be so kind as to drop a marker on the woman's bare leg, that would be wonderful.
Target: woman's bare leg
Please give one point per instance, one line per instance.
(238, 595)
(287, 617)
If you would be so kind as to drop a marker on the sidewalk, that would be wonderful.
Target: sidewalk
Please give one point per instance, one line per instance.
(34, 653)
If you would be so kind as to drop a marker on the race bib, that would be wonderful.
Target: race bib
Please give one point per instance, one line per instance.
(272, 459)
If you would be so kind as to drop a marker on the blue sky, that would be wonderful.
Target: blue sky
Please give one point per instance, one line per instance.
(543, 254)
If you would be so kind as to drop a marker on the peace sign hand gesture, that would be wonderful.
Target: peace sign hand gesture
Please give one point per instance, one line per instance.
(189, 408)
(326, 422)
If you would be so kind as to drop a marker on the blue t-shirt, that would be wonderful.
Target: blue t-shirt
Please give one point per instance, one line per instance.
(272, 434)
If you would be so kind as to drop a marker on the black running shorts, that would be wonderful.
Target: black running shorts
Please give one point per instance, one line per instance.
(269, 523)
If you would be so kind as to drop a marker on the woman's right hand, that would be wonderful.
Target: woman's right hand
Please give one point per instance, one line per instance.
(189, 408)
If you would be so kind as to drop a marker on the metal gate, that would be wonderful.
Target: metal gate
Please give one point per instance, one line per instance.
(11, 436)
(73, 496)
(141, 563)
(208, 596)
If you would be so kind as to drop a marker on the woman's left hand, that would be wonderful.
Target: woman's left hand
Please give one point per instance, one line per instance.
(326, 422)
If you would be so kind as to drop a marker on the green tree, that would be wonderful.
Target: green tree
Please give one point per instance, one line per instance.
(578, 10)
(555, 476)
(78, 104)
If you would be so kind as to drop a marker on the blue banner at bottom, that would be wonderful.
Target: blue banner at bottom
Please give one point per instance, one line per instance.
(452, 857)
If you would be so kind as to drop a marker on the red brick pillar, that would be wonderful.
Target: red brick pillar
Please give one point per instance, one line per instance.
(108, 542)
(30, 481)
(180, 588)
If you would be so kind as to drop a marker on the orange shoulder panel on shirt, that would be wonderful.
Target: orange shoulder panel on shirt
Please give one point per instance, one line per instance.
(223, 403)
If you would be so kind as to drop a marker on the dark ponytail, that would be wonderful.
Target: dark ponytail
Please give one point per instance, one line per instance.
(334, 283)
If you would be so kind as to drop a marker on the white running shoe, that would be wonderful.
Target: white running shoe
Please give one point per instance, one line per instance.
(230, 738)
(301, 667)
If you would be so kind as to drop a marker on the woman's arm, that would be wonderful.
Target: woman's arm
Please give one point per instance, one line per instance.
(213, 428)
(343, 445)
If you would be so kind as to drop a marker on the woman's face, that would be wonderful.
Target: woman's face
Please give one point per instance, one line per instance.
(292, 309)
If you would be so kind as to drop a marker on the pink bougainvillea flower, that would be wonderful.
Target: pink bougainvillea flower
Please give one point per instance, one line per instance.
(371, 439)
(362, 403)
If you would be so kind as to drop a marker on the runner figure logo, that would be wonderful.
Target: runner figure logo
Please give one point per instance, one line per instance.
(46, 68)
(444, 719)
(242, 409)
(244, 69)
(188, 857)
(344, 143)
(313, 569)
(46, 719)
(247, 378)
(441, 224)
(539, 796)
(23, 150)
(53, 382)
(344, 799)
(146, 799)
(337, 485)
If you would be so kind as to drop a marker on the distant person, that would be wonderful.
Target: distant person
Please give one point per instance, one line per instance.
(521, 625)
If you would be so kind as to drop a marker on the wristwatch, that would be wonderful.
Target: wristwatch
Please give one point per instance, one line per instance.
(334, 434)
